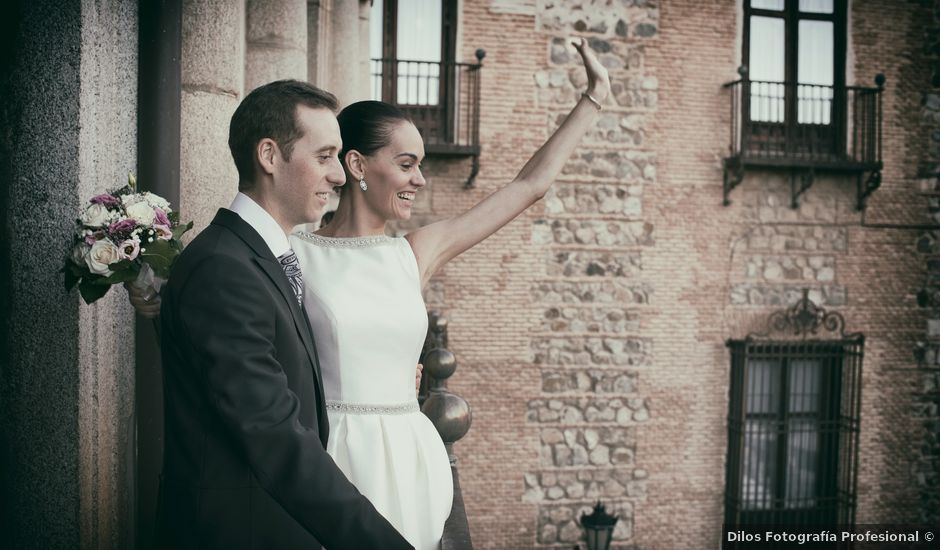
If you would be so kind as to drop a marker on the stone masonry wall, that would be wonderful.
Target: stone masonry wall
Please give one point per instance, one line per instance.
(590, 332)
(927, 395)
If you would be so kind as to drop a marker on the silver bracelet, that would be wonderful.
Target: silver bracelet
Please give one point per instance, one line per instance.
(594, 101)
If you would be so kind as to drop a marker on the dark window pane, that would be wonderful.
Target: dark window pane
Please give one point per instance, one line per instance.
(763, 387)
(804, 380)
(802, 463)
(760, 464)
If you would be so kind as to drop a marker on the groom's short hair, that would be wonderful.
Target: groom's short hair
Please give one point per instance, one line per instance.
(270, 111)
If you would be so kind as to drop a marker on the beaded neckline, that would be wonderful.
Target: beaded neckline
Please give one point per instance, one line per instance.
(345, 242)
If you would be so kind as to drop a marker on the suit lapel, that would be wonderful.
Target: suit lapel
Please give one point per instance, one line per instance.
(269, 264)
(276, 274)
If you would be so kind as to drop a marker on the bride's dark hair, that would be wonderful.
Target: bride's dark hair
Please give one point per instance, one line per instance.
(366, 126)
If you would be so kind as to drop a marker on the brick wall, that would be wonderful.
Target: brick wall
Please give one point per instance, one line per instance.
(590, 332)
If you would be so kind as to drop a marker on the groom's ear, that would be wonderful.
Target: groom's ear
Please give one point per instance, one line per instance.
(354, 162)
(265, 153)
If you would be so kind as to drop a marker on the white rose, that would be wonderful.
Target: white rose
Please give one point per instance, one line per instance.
(102, 254)
(141, 212)
(156, 201)
(132, 198)
(96, 215)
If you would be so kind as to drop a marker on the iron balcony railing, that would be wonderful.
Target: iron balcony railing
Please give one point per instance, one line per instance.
(806, 125)
(805, 128)
(443, 99)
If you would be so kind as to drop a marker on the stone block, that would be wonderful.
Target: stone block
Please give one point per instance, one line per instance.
(281, 23)
(595, 319)
(594, 263)
(591, 351)
(213, 47)
(557, 527)
(595, 381)
(581, 16)
(264, 64)
(776, 295)
(615, 291)
(585, 410)
(605, 233)
(609, 446)
(207, 173)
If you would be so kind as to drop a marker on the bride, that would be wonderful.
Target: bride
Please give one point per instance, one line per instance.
(363, 298)
(365, 306)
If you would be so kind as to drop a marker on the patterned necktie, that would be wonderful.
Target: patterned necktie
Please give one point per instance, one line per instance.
(291, 268)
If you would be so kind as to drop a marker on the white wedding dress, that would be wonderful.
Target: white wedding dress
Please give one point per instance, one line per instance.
(363, 297)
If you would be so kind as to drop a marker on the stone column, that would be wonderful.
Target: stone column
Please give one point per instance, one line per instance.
(67, 374)
(347, 55)
(213, 64)
(276, 47)
(318, 40)
(363, 84)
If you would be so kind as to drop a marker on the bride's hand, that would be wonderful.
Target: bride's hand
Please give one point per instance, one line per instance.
(418, 378)
(598, 79)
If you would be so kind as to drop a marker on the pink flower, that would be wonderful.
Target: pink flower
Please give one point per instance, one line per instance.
(159, 216)
(163, 231)
(124, 226)
(105, 199)
(130, 249)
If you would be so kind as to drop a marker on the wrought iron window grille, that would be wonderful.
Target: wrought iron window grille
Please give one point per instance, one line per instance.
(793, 421)
(443, 100)
(805, 129)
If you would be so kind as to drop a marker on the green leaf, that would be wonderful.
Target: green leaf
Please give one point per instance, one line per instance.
(70, 279)
(159, 256)
(180, 229)
(73, 274)
(122, 276)
(91, 291)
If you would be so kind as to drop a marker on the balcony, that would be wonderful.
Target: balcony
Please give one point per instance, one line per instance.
(442, 98)
(805, 129)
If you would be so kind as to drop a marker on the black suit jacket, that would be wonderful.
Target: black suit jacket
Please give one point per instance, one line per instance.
(245, 464)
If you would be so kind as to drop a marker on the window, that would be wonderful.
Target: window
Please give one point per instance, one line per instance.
(793, 429)
(792, 110)
(413, 47)
(795, 55)
(418, 37)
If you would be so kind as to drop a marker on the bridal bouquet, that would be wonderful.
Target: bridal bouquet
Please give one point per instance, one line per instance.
(122, 236)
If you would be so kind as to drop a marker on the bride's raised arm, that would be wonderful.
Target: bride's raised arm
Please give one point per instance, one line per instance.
(437, 243)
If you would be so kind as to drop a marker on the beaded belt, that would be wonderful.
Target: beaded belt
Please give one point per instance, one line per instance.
(365, 408)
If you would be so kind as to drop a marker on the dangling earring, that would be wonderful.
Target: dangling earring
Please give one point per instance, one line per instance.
(362, 184)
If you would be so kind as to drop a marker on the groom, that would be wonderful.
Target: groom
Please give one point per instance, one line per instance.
(245, 464)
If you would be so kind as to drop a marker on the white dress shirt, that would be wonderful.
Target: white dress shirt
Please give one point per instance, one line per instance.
(262, 222)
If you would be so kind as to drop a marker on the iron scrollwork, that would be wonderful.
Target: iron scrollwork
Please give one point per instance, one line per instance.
(804, 319)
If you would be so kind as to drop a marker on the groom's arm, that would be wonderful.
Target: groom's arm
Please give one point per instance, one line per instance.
(231, 319)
